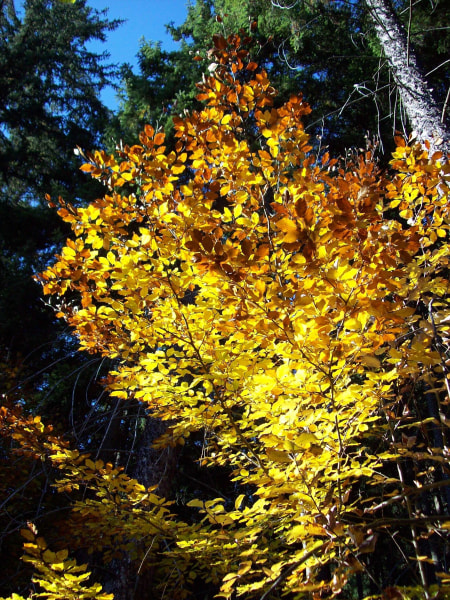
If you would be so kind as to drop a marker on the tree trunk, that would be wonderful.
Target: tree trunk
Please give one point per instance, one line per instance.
(152, 467)
(417, 99)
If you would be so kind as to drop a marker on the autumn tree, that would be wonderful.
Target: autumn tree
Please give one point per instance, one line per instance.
(287, 311)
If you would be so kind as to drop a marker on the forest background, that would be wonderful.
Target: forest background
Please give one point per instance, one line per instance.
(53, 393)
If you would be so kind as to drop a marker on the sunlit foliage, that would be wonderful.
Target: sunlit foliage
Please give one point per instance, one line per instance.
(295, 310)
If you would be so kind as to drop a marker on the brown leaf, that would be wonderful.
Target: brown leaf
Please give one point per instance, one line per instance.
(219, 42)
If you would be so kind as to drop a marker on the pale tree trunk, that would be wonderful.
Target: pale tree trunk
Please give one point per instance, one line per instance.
(427, 123)
(424, 116)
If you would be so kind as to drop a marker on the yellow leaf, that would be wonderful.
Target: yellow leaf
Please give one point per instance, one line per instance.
(244, 567)
(196, 503)
(371, 361)
(305, 440)
(290, 228)
(278, 456)
(238, 501)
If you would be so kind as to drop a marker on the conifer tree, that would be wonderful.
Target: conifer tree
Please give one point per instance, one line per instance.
(49, 102)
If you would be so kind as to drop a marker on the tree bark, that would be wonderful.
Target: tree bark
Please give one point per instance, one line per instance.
(421, 108)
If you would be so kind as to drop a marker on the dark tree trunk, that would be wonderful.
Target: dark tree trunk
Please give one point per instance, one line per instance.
(152, 467)
(422, 110)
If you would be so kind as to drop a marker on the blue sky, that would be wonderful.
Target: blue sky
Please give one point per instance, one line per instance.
(144, 19)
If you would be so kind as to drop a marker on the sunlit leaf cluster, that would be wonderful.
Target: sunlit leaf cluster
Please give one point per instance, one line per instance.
(57, 575)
